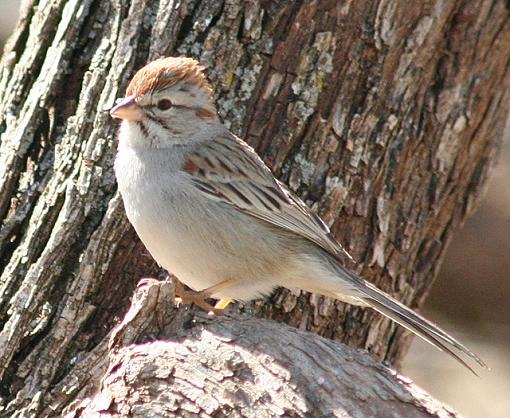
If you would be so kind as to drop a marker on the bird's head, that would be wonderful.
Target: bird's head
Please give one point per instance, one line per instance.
(167, 101)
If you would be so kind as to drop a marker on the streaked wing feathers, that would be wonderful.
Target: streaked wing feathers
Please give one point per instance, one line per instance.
(245, 182)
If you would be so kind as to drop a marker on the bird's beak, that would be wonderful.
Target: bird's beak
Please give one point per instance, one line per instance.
(127, 109)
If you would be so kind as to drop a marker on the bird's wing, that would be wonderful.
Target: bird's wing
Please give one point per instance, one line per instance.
(243, 181)
(228, 170)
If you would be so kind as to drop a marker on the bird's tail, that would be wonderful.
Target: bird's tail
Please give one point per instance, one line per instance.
(371, 296)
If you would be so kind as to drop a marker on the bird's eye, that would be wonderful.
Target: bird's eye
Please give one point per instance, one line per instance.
(164, 104)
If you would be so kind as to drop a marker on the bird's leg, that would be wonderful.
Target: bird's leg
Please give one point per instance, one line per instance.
(222, 303)
(198, 298)
(187, 297)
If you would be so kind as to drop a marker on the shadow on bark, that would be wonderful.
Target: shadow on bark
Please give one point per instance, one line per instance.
(164, 361)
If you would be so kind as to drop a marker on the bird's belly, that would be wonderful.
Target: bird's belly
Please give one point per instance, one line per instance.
(188, 261)
(204, 245)
(180, 251)
(201, 241)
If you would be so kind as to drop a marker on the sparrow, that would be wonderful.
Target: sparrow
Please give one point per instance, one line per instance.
(210, 211)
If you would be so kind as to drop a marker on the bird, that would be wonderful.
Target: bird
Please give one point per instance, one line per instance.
(210, 211)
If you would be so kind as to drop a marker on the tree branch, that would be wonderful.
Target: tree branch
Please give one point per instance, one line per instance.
(164, 361)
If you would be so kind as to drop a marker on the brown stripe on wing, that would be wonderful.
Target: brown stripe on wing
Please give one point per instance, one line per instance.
(224, 166)
(238, 193)
(276, 204)
(209, 162)
(206, 188)
(246, 183)
(190, 167)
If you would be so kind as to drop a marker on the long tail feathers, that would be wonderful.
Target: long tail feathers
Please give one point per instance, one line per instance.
(409, 319)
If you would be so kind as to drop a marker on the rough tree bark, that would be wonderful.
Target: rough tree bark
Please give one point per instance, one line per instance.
(384, 116)
(234, 367)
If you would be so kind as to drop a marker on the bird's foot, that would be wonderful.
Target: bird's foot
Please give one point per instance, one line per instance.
(199, 298)
(187, 297)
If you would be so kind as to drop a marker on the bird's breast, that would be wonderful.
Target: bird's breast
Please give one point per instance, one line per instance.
(198, 239)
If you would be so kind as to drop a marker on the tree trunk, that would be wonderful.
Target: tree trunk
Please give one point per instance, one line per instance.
(384, 116)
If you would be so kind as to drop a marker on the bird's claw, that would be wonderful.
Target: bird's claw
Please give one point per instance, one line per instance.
(187, 297)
